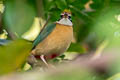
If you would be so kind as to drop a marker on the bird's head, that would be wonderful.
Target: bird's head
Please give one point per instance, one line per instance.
(65, 18)
(66, 14)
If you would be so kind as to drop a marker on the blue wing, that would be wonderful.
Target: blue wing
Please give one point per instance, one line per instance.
(43, 34)
(4, 41)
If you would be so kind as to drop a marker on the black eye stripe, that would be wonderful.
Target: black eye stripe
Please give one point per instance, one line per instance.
(61, 15)
(69, 17)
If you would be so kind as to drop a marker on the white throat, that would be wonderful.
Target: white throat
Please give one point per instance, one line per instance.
(65, 21)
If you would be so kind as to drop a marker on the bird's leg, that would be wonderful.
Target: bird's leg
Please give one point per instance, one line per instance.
(48, 65)
(42, 57)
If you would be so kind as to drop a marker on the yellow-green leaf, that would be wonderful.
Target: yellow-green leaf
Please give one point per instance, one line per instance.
(13, 55)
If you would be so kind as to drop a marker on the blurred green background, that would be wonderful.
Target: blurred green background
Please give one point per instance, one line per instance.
(96, 26)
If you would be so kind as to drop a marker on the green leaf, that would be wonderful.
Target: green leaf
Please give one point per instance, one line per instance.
(61, 4)
(76, 47)
(107, 25)
(115, 77)
(55, 15)
(97, 4)
(48, 4)
(13, 55)
(19, 15)
(78, 4)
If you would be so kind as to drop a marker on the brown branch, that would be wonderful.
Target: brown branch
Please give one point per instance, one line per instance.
(41, 13)
(11, 35)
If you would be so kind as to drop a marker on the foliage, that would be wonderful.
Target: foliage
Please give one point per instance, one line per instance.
(17, 18)
(13, 55)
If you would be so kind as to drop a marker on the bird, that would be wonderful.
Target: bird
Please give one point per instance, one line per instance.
(54, 39)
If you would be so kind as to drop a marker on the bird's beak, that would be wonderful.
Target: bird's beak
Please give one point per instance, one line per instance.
(66, 15)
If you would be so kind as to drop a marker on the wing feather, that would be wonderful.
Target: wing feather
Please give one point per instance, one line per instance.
(43, 34)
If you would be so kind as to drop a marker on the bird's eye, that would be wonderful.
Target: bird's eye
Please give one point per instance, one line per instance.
(69, 17)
